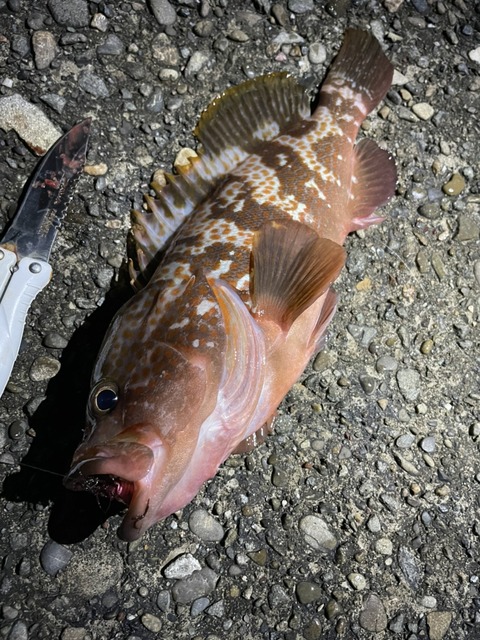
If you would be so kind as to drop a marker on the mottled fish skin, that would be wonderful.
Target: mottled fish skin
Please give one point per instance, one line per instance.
(198, 360)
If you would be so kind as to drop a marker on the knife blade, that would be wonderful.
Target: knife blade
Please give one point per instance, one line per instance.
(25, 248)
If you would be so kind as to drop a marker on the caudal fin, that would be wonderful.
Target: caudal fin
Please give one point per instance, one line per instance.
(360, 74)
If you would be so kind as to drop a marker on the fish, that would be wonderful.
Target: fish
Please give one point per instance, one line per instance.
(234, 264)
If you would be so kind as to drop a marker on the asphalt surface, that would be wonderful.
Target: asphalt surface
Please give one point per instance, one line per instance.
(360, 516)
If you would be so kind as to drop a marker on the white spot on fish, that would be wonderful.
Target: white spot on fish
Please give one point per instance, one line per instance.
(243, 283)
(223, 267)
(196, 343)
(313, 185)
(181, 324)
(204, 307)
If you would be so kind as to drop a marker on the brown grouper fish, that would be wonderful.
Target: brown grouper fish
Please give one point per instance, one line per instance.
(195, 365)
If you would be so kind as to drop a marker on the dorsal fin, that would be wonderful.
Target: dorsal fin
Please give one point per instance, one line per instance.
(229, 130)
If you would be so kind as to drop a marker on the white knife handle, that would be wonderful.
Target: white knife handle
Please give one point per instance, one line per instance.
(19, 288)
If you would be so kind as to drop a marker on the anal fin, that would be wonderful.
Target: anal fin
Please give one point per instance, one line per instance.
(292, 266)
(374, 179)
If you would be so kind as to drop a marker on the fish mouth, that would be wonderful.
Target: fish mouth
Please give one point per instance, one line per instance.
(117, 471)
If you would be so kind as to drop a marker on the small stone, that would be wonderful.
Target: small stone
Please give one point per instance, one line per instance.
(44, 368)
(196, 63)
(93, 84)
(300, 6)
(237, 35)
(164, 12)
(468, 229)
(455, 185)
(56, 102)
(54, 557)
(410, 567)
(386, 363)
(112, 46)
(408, 381)
(423, 110)
(406, 465)
(199, 605)
(181, 567)
(427, 346)
(332, 609)
(357, 580)
(428, 444)
(373, 524)
(70, 13)
(151, 622)
(200, 583)
(474, 55)
(429, 210)
(373, 617)
(405, 441)
(313, 630)
(384, 546)
(19, 631)
(54, 340)
(429, 602)
(44, 48)
(99, 21)
(317, 53)
(317, 533)
(163, 600)
(308, 592)
(259, 557)
(29, 122)
(438, 623)
(368, 383)
(217, 609)
(203, 525)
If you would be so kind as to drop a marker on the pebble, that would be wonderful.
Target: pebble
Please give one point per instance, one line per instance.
(423, 110)
(408, 381)
(474, 55)
(317, 533)
(373, 617)
(386, 363)
(300, 6)
(164, 52)
(317, 53)
(196, 63)
(308, 592)
(151, 622)
(93, 84)
(429, 210)
(438, 624)
(217, 609)
(199, 605)
(313, 630)
(278, 597)
(204, 525)
(112, 46)
(427, 346)
(44, 48)
(182, 567)
(199, 584)
(455, 185)
(384, 546)
(163, 600)
(70, 13)
(54, 340)
(99, 22)
(54, 557)
(44, 368)
(357, 580)
(406, 465)
(410, 568)
(368, 383)
(468, 229)
(56, 102)
(164, 12)
(29, 122)
(428, 444)
(405, 441)
(19, 631)
(374, 524)
(429, 602)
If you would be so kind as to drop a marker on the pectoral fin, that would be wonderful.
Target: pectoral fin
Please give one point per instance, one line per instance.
(291, 266)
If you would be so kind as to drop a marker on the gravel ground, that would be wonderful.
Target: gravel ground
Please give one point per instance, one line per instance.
(360, 516)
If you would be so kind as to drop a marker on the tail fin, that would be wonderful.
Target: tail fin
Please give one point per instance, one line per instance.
(361, 74)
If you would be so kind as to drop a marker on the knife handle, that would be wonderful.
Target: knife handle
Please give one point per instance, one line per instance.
(20, 283)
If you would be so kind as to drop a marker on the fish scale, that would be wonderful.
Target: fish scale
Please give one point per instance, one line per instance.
(239, 252)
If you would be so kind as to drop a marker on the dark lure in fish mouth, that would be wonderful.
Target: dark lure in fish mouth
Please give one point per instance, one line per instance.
(105, 486)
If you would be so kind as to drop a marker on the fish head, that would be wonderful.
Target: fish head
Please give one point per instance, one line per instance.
(144, 414)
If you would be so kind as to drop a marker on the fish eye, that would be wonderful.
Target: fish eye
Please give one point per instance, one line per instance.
(104, 397)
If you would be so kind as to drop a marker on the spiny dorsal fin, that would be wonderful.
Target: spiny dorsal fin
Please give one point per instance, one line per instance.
(257, 110)
(228, 130)
(374, 179)
(291, 267)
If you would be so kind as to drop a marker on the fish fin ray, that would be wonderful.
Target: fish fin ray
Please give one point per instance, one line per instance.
(375, 177)
(291, 267)
(326, 315)
(252, 113)
(255, 439)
